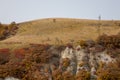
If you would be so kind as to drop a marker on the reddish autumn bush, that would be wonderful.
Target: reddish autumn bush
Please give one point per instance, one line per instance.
(57, 75)
(40, 53)
(20, 53)
(108, 74)
(82, 75)
(7, 30)
(4, 55)
(112, 41)
(23, 70)
(68, 76)
(12, 69)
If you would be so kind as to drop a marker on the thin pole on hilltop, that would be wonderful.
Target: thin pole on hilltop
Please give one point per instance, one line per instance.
(99, 25)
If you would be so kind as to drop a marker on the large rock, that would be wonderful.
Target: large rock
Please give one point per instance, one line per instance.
(11, 78)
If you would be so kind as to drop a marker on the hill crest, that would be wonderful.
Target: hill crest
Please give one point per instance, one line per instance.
(62, 30)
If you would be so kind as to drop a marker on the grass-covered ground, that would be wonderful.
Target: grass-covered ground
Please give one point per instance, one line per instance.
(60, 30)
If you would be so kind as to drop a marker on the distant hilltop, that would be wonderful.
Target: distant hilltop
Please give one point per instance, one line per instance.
(57, 30)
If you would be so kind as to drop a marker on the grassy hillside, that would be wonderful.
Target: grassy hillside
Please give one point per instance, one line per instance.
(59, 30)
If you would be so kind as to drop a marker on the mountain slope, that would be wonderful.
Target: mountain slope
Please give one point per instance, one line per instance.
(61, 30)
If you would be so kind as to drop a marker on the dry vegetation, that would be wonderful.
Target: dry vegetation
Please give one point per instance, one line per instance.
(33, 52)
(7, 30)
(60, 31)
(42, 61)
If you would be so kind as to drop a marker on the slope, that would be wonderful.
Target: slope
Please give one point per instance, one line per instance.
(60, 31)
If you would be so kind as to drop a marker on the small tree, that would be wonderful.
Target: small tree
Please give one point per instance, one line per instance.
(54, 20)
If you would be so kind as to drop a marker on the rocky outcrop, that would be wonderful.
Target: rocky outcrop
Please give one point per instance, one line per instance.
(82, 60)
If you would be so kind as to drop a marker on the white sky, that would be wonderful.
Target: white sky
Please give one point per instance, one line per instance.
(25, 10)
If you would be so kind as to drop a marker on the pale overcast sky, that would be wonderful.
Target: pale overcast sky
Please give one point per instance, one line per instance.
(25, 10)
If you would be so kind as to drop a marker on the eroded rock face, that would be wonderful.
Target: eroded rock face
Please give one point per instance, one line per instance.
(1, 79)
(82, 60)
(68, 54)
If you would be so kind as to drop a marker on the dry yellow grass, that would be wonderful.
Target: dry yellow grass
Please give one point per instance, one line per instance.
(61, 30)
